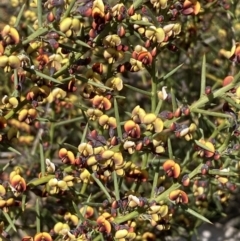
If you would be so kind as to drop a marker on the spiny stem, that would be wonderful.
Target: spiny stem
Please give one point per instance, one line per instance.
(42, 161)
(119, 130)
(154, 88)
(67, 12)
(155, 179)
(126, 217)
(220, 92)
(39, 12)
(203, 76)
(99, 183)
(84, 188)
(116, 189)
(38, 222)
(36, 34)
(211, 113)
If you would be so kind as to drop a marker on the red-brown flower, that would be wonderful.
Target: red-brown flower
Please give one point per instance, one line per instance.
(178, 196)
(191, 7)
(66, 156)
(101, 102)
(103, 223)
(132, 129)
(171, 168)
(42, 237)
(18, 183)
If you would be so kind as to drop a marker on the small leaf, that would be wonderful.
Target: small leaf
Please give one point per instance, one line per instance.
(38, 216)
(115, 181)
(76, 209)
(80, 42)
(211, 113)
(84, 133)
(6, 215)
(35, 34)
(222, 173)
(119, 130)
(144, 92)
(102, 187)
(143, 23)
(203, 76)
(69, 48)
(70, 147)
(14, 150)
(40, 181)
(24, 196)
(44, 76)
(42, 119)
(42, 160)
(197, 215)
(231, 14)
(68, 121)
(173, 98)
(19, 15)
(99, 85)
(172, 72)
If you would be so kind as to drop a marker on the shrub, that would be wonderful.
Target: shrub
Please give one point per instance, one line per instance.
(121, 118)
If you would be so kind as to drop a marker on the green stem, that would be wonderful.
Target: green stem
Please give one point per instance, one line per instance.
(116, 189)
(225, 143)
(40, 181)
(145, 161)
(67, 12)
(35, 35)
(144, 92)
(119, 130)
(38, 221)
(231, 102)
(92, 204)
(84, 188)
(154, 88)
(220, 92)
(174, 103)
(214, 78)
(42, 161)
(211, 113)
(15, 92)
(209, 123)
(221, 173)
(218, 129)
(44, 76)
(39, 12)
(68, 121)
(6, 215)
(158, 108)
(203, 76)
(19, 15)
(6, 166)
(170, 151)
(126, 217)
(102, 187)
(155, 180)
(24, 197)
